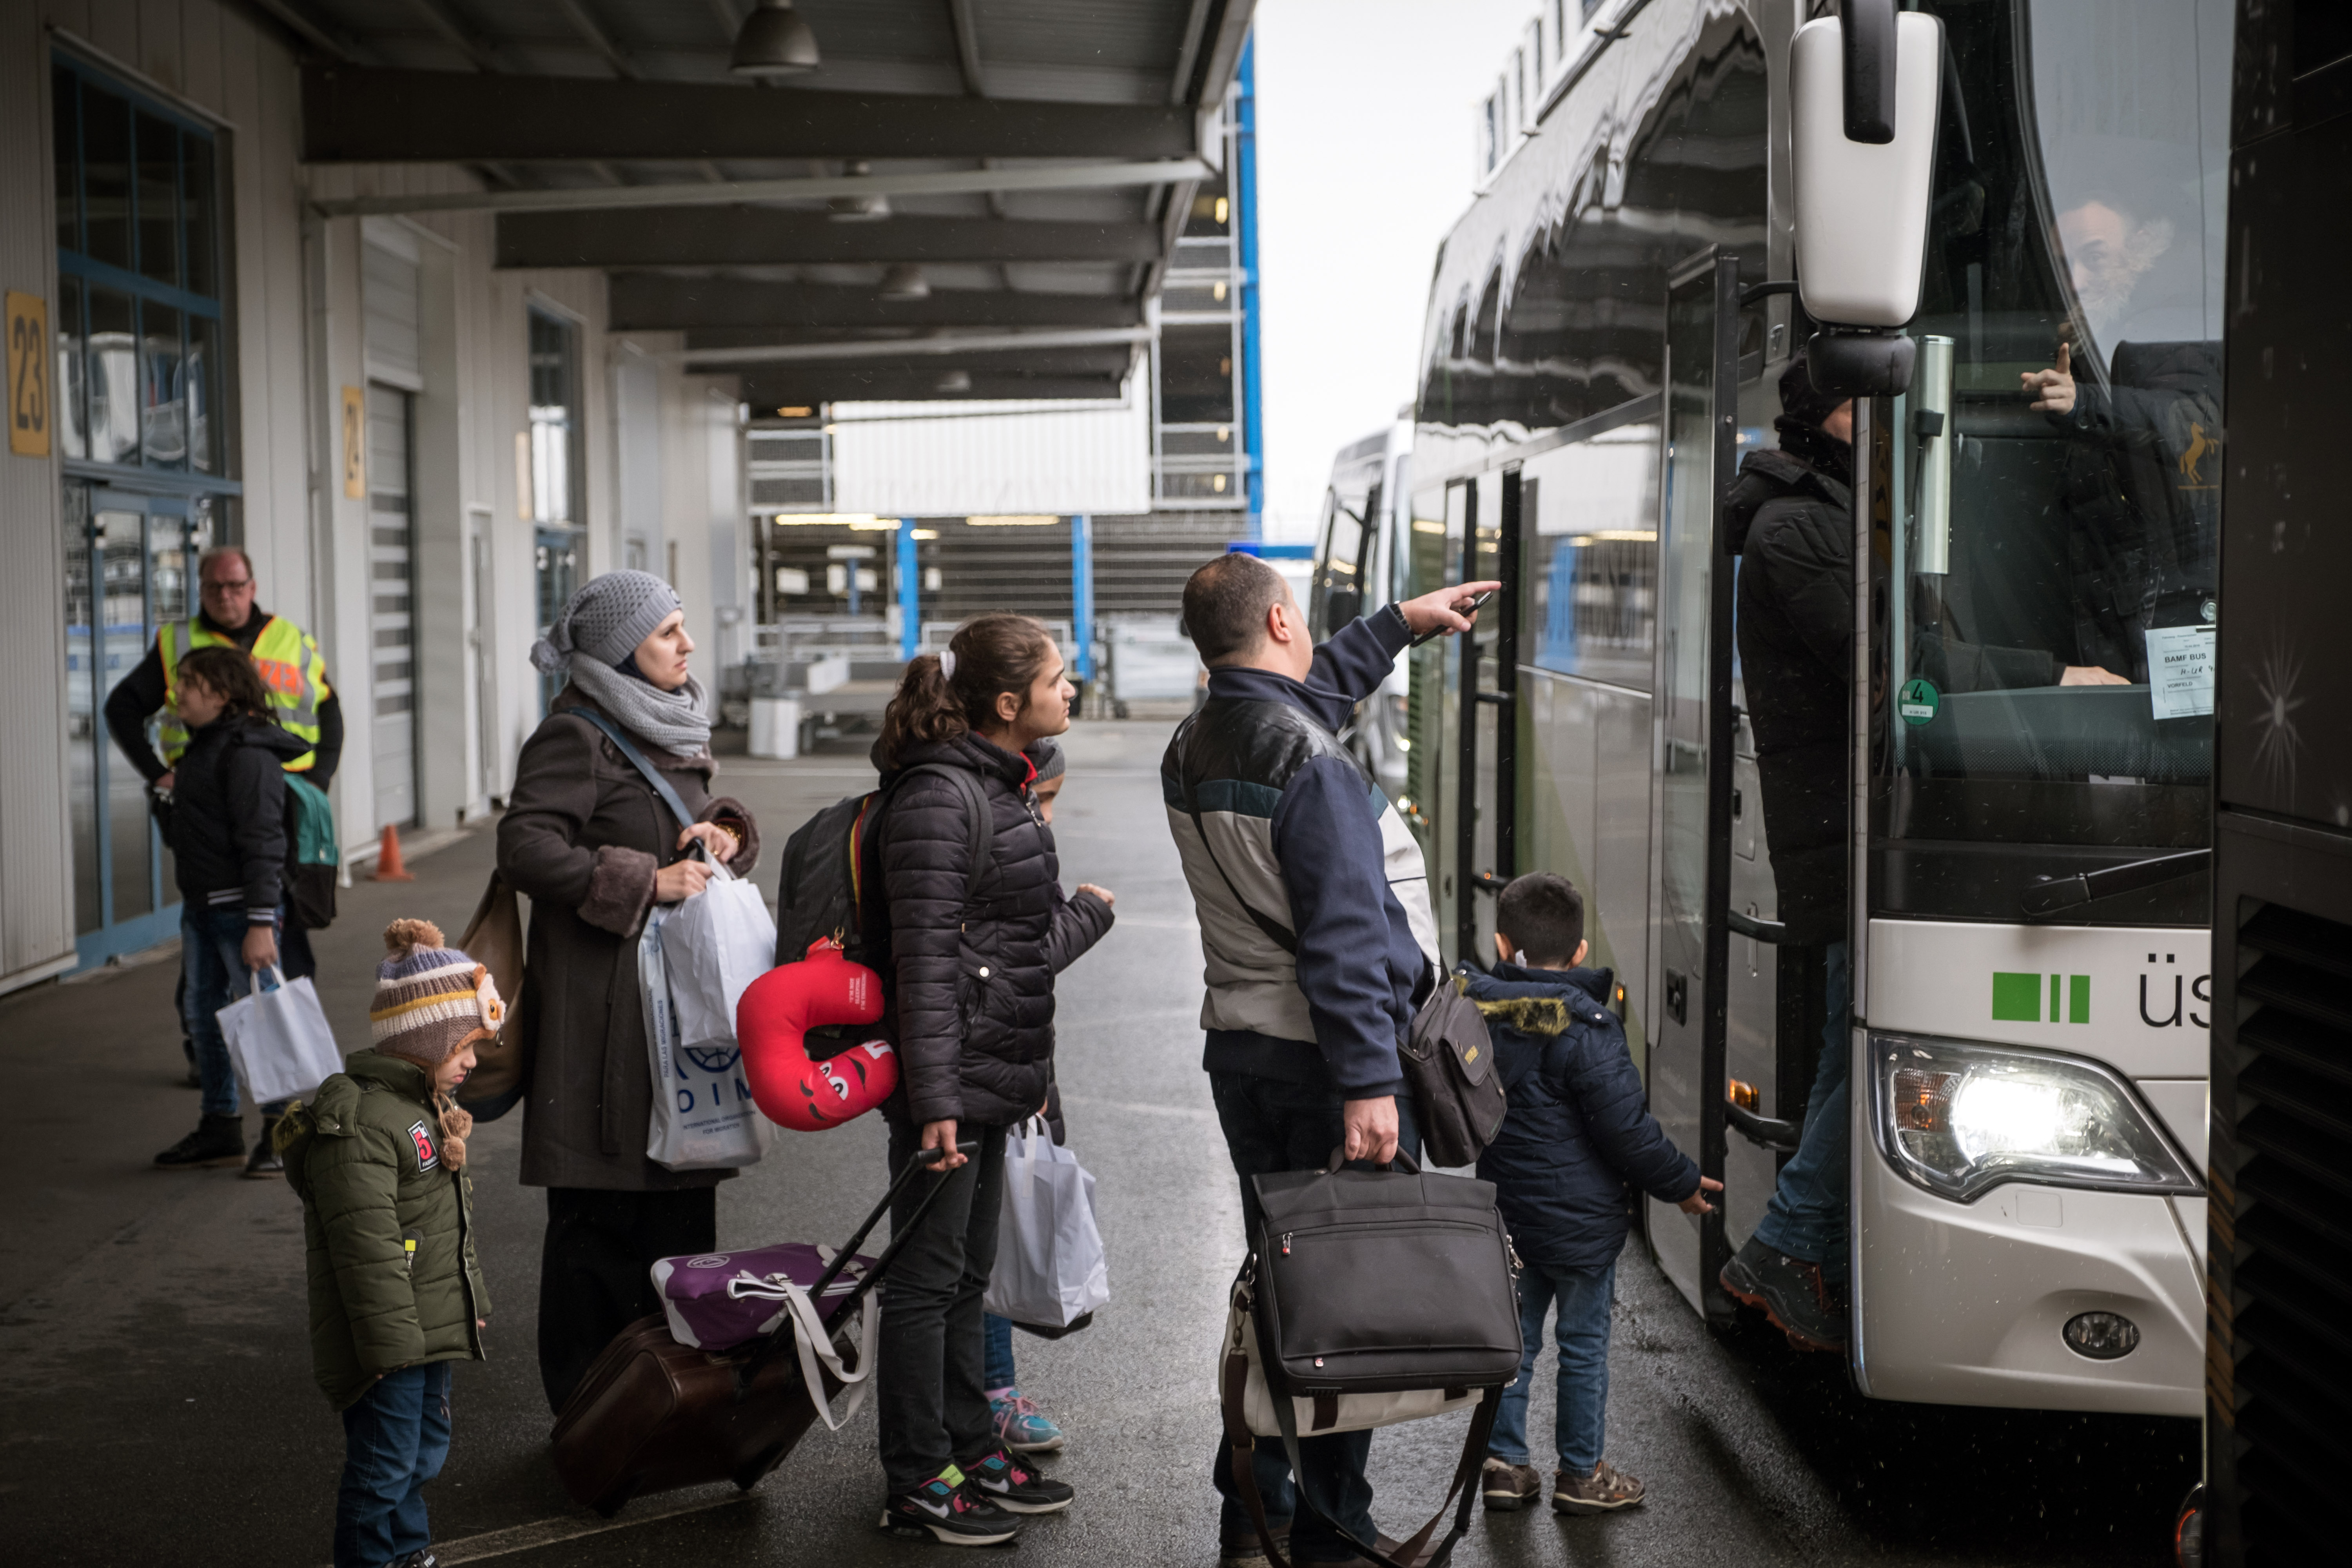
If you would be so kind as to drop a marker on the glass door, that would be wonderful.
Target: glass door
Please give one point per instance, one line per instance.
(1691, 798)
(129, 566)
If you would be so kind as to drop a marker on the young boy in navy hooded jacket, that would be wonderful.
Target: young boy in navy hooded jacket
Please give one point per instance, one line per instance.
(1576, 1137)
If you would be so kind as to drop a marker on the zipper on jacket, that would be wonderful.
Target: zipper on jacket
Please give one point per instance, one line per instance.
(1286, 1243)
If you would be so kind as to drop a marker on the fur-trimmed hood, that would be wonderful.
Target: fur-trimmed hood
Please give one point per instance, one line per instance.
(1545, 1003)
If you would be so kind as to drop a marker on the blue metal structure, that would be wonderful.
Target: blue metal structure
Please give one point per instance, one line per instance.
(1246, 188)
(1082, 592)
(910, 591)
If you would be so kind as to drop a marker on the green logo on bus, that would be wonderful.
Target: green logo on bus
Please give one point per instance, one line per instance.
(1917, 702)
(2017, 998)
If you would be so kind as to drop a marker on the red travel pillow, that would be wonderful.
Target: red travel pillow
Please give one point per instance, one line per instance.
(774, 1016)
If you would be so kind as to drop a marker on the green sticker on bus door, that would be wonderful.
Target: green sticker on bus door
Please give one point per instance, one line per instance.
(1918, 701)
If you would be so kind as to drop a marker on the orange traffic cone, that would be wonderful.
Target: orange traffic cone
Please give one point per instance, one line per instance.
(388, 868)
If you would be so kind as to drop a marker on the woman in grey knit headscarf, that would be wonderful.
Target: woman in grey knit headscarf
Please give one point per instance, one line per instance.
(594, 644)
(595, 848)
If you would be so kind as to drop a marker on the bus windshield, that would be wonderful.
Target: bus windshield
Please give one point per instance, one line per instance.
(2043, 664)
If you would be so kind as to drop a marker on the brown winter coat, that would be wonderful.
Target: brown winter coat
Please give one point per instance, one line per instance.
(582, 835)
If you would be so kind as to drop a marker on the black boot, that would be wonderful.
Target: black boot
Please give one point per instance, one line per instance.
(1794, 1294)
(218, 1140)
(264, 1161)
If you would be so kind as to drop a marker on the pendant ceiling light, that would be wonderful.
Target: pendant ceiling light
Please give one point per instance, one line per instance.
(905, 280)
(860, 208)
(773, 41)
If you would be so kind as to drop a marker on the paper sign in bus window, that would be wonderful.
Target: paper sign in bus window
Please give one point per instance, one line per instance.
(2180, 670)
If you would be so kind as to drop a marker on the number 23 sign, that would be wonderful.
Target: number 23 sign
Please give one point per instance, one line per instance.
(29, 393)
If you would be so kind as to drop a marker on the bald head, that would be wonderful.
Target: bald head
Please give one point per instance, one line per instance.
(1227, 603)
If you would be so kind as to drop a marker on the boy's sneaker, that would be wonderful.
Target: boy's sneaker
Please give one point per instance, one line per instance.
(1606, 1489)
(1508, 1488)
(422, 1559)
(264, 1162)
(1021, 1427)
(945, 1510)
(1012, 1486)
(218, 1140)
(1792, 1293)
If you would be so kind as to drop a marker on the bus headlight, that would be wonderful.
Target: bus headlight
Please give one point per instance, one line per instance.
(1959, 1120)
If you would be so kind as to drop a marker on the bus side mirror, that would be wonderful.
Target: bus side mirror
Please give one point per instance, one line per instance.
(1864, 90)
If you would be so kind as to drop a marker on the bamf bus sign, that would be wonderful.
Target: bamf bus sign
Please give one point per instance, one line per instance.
(31, 400)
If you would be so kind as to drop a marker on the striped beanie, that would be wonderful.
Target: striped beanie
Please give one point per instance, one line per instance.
(430, 1000)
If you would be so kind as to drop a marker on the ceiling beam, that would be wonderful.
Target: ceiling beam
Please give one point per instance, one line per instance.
(729, 193)
(353, 114)
(963, 348)
(967, 37)
(806, 387)
(760, 236)
(732, 309)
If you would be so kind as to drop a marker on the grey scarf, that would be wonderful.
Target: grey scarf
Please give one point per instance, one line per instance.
(676, 721)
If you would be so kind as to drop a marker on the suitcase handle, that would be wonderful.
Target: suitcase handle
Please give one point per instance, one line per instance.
(747, 1369)
(1339, 1157)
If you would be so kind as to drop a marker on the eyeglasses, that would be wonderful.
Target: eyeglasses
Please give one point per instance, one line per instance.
(222, 585)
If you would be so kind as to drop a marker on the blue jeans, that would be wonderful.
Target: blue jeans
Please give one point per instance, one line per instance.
(1806, 1218)
(1582, 1335)
(996, 1353)
(394, 1439)
(1273, 1126)
(212, 966)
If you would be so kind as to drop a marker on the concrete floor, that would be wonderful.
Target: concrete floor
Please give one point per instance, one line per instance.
(156, 1403)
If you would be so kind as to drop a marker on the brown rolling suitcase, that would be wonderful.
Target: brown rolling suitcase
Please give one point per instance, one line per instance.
(652, 1415)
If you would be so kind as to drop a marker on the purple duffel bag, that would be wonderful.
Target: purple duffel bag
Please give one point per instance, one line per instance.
(717, 1301)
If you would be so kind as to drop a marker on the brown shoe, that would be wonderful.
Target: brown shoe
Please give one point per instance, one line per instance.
(1605, 1490)
(1248, 1551)
(1508, 1488)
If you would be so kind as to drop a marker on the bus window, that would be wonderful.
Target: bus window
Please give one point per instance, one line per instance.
(2045, 665)
(1339, 589)
(1590, 556)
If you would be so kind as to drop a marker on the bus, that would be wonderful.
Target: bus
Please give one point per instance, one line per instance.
(1361, 566)
(2025, 855)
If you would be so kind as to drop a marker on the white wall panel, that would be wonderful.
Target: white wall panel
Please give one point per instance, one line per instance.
(959, 460)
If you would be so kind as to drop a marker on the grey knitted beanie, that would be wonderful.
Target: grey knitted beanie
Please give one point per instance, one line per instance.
(606, 620)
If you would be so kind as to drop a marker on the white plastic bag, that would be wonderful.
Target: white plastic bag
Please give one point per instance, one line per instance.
(717, 943)
(1050, 1270)
(703, 1118)
(278, 1039)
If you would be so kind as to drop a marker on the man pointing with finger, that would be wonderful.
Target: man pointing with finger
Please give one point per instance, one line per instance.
(1317, 934)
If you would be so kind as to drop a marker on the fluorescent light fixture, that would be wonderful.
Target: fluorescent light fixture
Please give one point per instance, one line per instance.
(828, 519)
(1010, 522)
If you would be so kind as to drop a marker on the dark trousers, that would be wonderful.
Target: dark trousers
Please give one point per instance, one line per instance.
(930, 1392)
(394, 1439)
(1274, 1126)
(594, 1276)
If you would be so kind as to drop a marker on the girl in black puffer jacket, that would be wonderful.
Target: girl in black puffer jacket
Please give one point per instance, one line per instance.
(969, 987)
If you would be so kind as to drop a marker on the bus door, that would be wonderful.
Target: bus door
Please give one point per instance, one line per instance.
(1693, 735)
(1479, 854)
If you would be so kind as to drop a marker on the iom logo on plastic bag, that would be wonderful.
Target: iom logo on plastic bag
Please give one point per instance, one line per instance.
(714, 1059)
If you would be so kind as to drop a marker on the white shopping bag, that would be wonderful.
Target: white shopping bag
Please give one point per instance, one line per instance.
(717, 943)
(703, 1118)
(1050, 1270)
(278, 1039)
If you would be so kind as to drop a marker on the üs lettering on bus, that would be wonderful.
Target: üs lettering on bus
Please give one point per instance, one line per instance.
(2199, 989)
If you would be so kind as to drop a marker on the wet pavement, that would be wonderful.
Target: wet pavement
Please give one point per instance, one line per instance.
(156, 1403)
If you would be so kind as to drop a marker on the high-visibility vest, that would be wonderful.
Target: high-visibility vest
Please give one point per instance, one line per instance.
(292, 670)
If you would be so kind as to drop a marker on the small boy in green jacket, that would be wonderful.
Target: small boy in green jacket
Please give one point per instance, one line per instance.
(379, 1159)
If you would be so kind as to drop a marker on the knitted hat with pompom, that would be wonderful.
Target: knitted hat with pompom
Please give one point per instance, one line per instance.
(430, 1000)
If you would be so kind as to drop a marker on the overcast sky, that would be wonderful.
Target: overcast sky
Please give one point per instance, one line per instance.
(1364, 161)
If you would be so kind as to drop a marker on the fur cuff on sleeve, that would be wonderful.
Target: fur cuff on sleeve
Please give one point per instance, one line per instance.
(620, 889)
(736, 819)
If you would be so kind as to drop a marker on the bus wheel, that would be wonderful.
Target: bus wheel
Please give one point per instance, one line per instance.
(2189, 1530)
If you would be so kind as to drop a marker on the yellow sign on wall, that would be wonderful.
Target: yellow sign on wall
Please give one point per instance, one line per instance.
(355, 443)
(31, 403)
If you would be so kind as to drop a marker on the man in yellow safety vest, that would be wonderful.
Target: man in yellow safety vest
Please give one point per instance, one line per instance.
(291, 668)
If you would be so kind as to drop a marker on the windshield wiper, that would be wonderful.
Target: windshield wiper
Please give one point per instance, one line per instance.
(2049, 894)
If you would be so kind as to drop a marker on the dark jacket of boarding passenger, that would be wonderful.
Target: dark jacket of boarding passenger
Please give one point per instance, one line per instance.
(1579, 1133)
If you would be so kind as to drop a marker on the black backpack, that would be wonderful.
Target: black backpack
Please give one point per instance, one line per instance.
(827, 861)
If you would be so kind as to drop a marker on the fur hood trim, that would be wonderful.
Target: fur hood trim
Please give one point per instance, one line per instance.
(1546, 1015)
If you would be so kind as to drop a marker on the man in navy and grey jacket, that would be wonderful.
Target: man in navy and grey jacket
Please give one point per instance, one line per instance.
(1316, 932)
